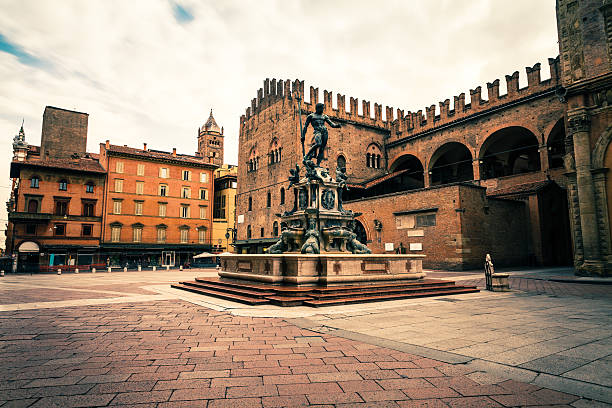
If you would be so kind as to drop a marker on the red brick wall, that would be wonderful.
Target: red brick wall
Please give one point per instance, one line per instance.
(64, 132)
(468, 226)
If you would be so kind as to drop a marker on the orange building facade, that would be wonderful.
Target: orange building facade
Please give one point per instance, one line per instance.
(157, 206)
(70, 209)
(55, 209)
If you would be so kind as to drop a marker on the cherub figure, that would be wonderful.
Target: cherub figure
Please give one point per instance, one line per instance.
(294, 176)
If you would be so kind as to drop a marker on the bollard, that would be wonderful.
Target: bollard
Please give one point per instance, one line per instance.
(181, 268)
(108, 269)
(139, 268)
(167, 267)
(1, 273)
(125, 269)
(76, 270)
(59, 271)
(154, 268)
(93, 270)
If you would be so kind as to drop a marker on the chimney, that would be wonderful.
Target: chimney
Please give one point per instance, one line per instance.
(144, 147)
(174, 152)
(108, 144)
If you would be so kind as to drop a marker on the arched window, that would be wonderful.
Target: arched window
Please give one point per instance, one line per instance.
(274, 152)
(34, 181)
(248, 232)
(63, 185)
(341, 162)
(282, 195)
(269, 200)
(253, 160)
(250, 203)
(373, 156)
(275, 229)
(89, 187)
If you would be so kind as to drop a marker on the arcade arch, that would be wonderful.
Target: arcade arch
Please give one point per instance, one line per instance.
(451, 163)
(509, 151)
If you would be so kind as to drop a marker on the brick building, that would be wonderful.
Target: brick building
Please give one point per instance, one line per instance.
(69, 208)
(224, 208)
(501, 173)
(157, 205)
(55, 208)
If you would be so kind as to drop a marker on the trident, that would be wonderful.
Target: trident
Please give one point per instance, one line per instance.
(297, 96)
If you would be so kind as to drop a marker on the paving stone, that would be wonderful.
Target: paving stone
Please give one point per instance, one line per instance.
(183, 383)
(334, 376)
(378, 374)
(235, 403)
(198, 393)
(598, 372)
(236, 381)
(251, 391)
(333, 398)
(399, 383)
(284, 401)
(74, 401)
(432, 403)
(430, 393)
(126, 386)
(359, 385)
(384, 395)
(471, 402)
(311, 388)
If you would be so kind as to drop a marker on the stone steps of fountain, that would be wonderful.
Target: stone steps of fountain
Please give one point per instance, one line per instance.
(220, 294)
(381, 291)
(396, 296)
(316, 296)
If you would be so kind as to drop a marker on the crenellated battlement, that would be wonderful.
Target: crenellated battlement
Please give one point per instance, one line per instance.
(402, 122)
(286, 92)
(412, 123)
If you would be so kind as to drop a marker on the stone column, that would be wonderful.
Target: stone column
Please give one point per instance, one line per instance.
(476, 169)
(543, 152)
(579, 124)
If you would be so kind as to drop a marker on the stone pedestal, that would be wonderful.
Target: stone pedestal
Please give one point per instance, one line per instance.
(321, 269)
(499, 282)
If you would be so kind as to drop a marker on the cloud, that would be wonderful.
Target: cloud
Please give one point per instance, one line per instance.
(146, 74)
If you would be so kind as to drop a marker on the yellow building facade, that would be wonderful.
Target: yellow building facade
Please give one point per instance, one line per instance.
(224, 208)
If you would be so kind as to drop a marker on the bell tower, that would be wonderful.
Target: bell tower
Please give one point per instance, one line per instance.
(210, 141)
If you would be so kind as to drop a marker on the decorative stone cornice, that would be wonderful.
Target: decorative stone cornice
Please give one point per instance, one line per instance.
(578, 123)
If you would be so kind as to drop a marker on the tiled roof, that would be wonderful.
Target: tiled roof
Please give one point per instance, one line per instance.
(519, 189)
(373, 182)
(82, 164)
(386, 177)
(155, 154)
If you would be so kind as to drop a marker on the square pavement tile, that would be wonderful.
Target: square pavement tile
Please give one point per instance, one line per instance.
(598, 372)
(554, 364)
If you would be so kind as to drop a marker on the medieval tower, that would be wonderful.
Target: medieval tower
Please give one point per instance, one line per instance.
(210, 141)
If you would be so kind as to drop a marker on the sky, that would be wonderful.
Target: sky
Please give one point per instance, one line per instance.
(151, 70)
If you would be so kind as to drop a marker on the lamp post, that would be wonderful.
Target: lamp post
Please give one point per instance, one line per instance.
(230, 232)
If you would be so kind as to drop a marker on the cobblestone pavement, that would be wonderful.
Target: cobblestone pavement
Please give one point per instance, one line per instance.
(176, 354)
(127, 339)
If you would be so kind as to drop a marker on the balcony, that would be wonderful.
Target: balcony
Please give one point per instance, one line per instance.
(15, 216)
